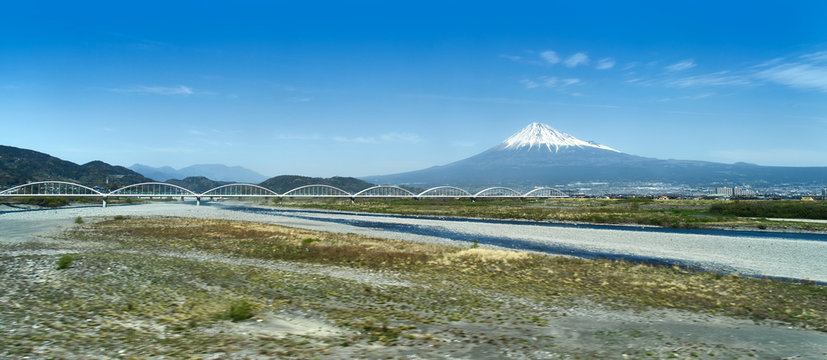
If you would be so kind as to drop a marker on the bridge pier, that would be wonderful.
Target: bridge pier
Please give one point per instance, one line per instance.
(197, 201)
(104, 202)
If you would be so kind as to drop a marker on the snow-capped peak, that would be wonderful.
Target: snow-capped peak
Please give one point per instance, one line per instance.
(542, 135)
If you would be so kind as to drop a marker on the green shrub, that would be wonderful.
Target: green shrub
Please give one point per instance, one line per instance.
(239, 310)
(78, 220)
(64, 261)
(119, 217)
(45, 201)
(309, 240)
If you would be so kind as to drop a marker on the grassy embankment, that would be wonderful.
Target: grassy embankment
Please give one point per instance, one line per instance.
(121, 296)
(666, 213)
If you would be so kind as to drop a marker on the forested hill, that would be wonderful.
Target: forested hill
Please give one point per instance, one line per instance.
(197, 184)
(284, 183)
(19, 166)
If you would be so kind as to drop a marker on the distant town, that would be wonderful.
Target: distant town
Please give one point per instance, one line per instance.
(723, 192)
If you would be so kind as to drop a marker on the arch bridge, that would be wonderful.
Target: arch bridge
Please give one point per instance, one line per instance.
(150, 190)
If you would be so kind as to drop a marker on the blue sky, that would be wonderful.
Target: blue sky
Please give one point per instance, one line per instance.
(362, 88)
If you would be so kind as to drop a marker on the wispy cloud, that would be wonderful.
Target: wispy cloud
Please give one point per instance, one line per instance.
(809, 73)
(721, 78)
(299, 99)
(158, 90)
(689, 97)
(392, 137)
(682, 65)
(605, 64)
(550, 57)
(409, 138)
(577, 59)
(529, 84)
(358, 139)
(549, 82)
(523, 59)
(506, 101)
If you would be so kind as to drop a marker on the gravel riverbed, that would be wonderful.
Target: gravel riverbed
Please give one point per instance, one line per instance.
(750, 255)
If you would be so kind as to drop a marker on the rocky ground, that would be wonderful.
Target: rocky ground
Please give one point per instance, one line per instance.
(158, 287)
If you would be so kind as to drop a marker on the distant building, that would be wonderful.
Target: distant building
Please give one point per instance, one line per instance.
(824, 194)
(734, 191)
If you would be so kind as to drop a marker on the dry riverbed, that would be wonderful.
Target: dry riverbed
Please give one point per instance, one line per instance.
(158, 286)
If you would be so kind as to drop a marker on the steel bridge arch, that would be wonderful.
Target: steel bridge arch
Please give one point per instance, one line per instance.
(406, 192)
(293, 192)
(554, 193)
(11, 190)
(256, 187)
(118, 192)
(510, 191)
(462, 192)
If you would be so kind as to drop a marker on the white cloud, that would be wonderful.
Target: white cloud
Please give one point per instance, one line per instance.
(159, 90)
(400, 137)
(577, 59)
(567, 82)
(720, 78)
(689, 97)
(550, 57)
(298, 99)
(550, 82)
(797, 75)
(358, 139)
(820, 56)
(529, 84)
(605, 63)
(683, 65)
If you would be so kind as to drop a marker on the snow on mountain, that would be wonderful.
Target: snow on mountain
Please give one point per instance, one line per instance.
(542, 135)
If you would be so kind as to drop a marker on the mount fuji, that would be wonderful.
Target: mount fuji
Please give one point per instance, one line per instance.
(539, 155)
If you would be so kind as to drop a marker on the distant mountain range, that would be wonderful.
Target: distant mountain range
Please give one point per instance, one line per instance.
(539, 155)
(216, 172)
(19, 166)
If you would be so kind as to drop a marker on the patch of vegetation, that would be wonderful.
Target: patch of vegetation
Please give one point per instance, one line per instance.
(65, 261)
(309, 240)
(78, 220)
(44, 201)
(119, 217)
(793, 209)
(239, 310)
